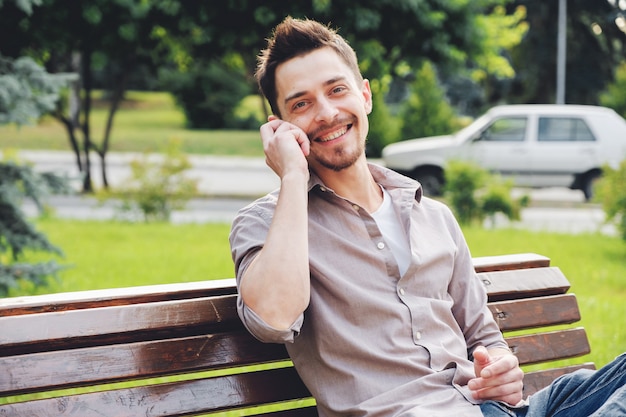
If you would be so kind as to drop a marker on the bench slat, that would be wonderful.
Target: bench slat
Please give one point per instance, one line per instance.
(508, 262)
(524, 283)
(178, 291)
(536, 380)
(114, 297)
(535, 312)
(121, 323)
(172, 399)
(104, 364)
(545, 347)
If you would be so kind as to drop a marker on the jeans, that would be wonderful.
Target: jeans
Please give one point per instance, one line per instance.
(583, 393)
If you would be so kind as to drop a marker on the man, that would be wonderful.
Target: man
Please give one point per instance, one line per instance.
(369, 284)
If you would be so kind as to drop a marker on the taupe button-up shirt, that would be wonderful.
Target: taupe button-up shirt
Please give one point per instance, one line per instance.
(372, 342)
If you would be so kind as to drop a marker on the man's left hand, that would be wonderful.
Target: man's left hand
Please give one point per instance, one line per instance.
(498, 376)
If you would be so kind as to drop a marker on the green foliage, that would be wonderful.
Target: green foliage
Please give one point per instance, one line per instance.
(17, 235)
(610, 191)
(474, 194)
(208, 93)
(427, 111)
(383, 126)
(26, 90)
(158, 185)
(615, 94)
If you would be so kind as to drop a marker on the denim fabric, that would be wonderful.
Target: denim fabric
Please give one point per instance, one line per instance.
(584, 393)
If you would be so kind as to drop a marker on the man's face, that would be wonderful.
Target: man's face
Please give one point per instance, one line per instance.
(319, 93)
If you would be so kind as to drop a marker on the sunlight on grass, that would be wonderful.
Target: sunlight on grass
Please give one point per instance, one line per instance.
(144, 123)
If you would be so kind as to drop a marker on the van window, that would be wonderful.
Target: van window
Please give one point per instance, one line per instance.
(506, 129)
(564, 129)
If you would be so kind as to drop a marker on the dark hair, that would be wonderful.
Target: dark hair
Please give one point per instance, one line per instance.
(296, 37)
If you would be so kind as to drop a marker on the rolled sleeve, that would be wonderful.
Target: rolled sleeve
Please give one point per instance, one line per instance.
(263, 331)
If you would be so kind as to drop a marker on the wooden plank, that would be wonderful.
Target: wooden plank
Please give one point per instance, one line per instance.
(103, 364)
(536, 380)
(535, 312)
(114, 297)
(509, 262)
(127, 322)
(171, 399)
(524, 283)
(545, 347)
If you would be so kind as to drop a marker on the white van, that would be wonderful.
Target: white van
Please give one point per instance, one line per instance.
(536, 145)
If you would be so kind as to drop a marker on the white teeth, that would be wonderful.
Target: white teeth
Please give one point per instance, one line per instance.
(334, 135)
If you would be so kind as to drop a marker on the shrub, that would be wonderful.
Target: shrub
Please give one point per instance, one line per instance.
(158, 185)
(427, 111)
(610, 191)
(208, 93)
(384, 128)
(615, 94)
(17, 234)
(474, 194)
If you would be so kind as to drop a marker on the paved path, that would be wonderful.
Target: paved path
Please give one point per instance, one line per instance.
(229, 183)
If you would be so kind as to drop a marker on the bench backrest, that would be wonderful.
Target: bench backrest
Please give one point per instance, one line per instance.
(180, 349)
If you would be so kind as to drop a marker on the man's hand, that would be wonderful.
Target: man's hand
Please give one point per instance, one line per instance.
(286, 146)
(498, 376)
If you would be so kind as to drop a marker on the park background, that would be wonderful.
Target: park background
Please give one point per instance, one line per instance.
(135, 76)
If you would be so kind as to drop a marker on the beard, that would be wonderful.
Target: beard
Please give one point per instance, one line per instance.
(343, 156)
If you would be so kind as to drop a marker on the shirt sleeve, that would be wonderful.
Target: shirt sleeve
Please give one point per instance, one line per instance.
(247, 236)
(470, 300)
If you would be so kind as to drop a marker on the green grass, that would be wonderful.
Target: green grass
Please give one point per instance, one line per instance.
(144, 123)
(115, 254)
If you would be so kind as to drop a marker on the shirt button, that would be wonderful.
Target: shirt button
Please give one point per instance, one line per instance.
(381, 245)
(418, 335)
(323, 189)
(356, 207)
(402, 291)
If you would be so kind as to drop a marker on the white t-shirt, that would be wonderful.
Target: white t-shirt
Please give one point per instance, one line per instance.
(389, 224)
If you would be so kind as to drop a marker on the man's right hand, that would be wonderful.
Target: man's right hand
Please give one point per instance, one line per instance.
(286, 146)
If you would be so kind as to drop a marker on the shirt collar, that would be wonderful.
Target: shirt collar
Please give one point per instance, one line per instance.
(387, 178)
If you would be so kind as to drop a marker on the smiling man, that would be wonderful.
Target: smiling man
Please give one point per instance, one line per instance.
(369, 284)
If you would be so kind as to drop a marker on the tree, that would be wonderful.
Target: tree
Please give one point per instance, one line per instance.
(427, 112)
(595, 46)
(615, 94)
(26, 92)
(115, 37)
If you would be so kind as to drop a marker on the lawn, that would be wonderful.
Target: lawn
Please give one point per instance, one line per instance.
(115, 254)
(144, 123)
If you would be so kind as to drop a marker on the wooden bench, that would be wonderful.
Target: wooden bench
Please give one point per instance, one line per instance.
(174, 350)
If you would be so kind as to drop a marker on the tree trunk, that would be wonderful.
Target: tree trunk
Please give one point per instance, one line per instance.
(87, 85)
(116, 98)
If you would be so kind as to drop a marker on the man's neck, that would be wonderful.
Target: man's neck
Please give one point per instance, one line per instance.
(355, 183)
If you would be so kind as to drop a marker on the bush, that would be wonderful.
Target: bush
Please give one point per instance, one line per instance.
(384, 128)
(615, 94)
(474, 194)
(157, 186)
(610, 191)
(208, 93)
(17, 234)
(427, 111)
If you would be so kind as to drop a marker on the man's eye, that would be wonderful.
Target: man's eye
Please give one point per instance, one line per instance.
(338, 89)
(299, 104)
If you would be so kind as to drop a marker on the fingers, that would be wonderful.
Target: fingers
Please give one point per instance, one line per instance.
(277, 129)
(498, 377)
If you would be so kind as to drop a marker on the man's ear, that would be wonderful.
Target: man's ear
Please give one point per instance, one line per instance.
(367, 95)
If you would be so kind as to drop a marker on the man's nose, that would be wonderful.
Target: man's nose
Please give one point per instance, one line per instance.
(326, 110)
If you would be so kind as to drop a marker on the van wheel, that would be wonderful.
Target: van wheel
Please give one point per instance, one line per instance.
(431, 181)
(588, 183)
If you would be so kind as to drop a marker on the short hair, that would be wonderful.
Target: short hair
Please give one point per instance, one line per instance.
(293, 38)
